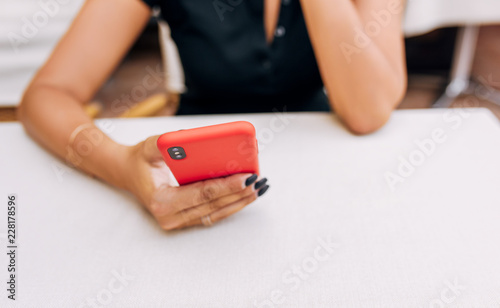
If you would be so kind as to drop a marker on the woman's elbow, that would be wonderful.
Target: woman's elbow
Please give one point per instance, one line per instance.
(29, 109)
(377, 111)
(366, 123)
(21, 111)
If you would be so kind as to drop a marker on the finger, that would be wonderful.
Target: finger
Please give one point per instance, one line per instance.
(202, 192)
(168, 200)
(212, 206)
(150, 148)
(224, 212)
(232, 208)
(237, 206)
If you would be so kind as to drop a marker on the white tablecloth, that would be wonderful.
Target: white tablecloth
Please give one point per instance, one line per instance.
(432, 242)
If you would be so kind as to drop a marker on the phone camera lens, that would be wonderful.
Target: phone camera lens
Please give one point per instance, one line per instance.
(177, 153)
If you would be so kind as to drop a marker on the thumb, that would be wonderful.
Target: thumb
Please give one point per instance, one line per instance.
(150, 149)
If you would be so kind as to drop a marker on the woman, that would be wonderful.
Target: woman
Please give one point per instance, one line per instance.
(238, 56)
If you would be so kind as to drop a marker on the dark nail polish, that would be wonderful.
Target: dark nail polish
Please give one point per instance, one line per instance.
(263, 190)
(250, 180)
(260, 183)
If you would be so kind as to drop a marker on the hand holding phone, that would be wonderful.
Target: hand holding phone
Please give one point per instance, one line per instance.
(194, 203)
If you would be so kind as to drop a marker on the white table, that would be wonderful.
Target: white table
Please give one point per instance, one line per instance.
(401, 248)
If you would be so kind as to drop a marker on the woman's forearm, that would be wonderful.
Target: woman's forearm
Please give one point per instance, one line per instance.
(364, 81)
(84, 58)
(51, 116)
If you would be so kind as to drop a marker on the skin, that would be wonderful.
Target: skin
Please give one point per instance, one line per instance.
(52, 107)
(364, 101)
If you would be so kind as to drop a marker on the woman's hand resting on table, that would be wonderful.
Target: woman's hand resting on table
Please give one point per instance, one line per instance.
(149, 179)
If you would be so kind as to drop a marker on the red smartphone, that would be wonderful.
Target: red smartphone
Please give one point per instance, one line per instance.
(210, 152)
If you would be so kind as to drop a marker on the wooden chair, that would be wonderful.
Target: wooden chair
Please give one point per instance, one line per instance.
(174, 79)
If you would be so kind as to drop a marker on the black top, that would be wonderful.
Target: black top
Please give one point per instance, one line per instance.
(228, 64)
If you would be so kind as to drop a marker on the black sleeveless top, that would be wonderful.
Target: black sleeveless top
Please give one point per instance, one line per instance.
(229, 66)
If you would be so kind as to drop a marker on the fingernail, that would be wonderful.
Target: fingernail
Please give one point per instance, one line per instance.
(263, 190)
(260, 183)
(250, 180)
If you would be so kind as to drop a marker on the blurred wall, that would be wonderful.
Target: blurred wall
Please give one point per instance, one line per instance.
(29, 31)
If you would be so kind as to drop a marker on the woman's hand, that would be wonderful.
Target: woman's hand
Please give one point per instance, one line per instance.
(149, 179)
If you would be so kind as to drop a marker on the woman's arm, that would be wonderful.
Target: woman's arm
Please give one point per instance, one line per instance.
(51, 108)
(359, 47)
(52, 113)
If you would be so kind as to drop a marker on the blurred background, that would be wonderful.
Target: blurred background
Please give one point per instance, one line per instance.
(453, 57)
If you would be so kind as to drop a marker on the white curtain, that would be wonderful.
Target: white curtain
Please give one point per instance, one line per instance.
(425, 15)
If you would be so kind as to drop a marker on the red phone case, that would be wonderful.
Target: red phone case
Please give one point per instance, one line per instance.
(210, 152)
